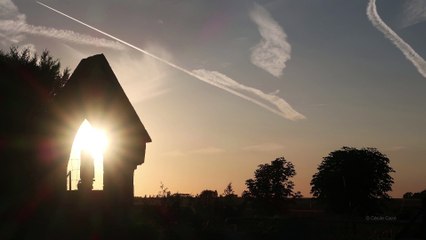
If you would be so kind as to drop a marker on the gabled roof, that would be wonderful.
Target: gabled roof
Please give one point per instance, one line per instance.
(94, 93)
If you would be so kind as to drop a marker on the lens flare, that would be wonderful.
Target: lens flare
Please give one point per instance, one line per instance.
(93, 140)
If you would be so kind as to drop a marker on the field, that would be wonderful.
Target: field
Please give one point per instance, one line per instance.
(236, 218)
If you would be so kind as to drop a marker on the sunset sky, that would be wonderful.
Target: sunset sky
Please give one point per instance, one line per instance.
(235, 84)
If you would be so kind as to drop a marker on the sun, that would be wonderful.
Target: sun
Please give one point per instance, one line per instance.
(93, 140)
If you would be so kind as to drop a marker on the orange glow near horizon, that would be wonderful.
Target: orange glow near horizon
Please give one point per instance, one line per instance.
(94, 141)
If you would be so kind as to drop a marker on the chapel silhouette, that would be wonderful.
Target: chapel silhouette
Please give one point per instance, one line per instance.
(93, 93)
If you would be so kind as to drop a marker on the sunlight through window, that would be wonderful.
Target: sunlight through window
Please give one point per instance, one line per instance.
(94, 141)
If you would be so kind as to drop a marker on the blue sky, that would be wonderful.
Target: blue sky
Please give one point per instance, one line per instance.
(297, 79)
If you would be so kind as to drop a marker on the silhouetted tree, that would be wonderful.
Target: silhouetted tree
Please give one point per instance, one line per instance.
(208, 194)
(229, 191)
(298, 194)
(164, 191)
(407, 195)
(416, 195)
(272, 181)
(350, 178)
(27, 85)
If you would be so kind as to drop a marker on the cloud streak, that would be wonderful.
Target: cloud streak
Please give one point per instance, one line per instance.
(273, 51)
(269, 101)
(414, 11)
(200, 151)
(208, 151)
(276, 104)
(13, 26)
(264, 147)
(141, 87)
(66, 35)
(404, 47)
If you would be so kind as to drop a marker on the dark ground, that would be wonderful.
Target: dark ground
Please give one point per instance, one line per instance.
(222, 218)
(216, 218)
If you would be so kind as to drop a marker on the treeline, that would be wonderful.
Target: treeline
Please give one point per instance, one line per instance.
(416, 195)
(347, 180)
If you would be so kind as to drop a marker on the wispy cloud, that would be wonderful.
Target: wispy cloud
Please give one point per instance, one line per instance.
(414, 11)
(200, 151)
(264, 147)
(273, 51)
(66, 35)
(175, 153)
(397, 148)
(405, 48)
(276, 104)
(9, 11)
(142, 77)
(13, 27)
(208, 150)
(269, 101)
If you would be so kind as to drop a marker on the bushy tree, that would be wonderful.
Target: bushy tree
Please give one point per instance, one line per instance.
(407, 195)
(208, 194)
(272, 181)
(353, 179)
(416, 195)
(28, 83)
(229, 191)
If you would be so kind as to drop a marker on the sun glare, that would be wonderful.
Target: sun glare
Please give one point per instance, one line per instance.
(91, 139)
(94, 141)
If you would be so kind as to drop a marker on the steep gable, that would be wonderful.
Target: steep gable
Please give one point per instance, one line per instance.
(94, 93)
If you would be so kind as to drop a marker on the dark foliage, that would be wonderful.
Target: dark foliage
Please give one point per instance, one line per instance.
(27, 85)
(207, 194)
(229, 192)
(239, 219)
(272, 181)
(416, 195)
(353, 179)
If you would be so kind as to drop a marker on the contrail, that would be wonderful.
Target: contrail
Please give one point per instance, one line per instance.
(117, 39)
(292, 116)
(405, 48)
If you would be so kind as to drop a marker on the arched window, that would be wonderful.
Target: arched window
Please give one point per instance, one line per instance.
(91, 141)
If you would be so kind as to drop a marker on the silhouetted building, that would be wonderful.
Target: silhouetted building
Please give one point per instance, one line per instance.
(94, 93)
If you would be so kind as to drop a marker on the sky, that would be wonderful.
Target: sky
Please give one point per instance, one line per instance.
(223, 86)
